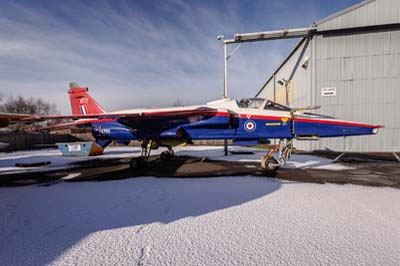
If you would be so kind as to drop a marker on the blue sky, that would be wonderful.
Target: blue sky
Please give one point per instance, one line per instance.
(144, 53)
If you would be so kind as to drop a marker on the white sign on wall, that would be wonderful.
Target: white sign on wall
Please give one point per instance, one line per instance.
(328, 92)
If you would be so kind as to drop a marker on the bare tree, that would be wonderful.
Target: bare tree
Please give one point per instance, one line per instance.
(33, 106)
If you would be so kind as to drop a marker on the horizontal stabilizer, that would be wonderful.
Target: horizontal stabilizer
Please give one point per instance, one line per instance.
(74, 85)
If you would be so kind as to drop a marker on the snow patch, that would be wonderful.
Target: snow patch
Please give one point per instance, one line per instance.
(203, 221)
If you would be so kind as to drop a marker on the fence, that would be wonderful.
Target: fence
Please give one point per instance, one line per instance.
(28, 141)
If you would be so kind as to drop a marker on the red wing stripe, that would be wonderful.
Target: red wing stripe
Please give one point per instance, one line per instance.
(342, 123)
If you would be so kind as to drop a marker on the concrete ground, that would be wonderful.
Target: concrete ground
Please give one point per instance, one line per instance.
(194, 164)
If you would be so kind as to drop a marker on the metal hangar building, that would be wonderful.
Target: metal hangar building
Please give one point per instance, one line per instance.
(350, 66)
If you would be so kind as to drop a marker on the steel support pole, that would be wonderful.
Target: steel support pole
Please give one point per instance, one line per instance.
(225, 74)
(225, 93)
(287, 93)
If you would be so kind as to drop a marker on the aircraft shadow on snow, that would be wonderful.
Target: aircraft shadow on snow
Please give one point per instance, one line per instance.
(54, 219)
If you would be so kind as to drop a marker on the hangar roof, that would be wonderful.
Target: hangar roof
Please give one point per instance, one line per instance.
(364, 14)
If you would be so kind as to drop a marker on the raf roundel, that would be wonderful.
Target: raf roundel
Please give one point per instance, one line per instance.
(249, 126)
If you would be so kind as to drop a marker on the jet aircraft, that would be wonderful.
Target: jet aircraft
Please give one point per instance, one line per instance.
(245, 122)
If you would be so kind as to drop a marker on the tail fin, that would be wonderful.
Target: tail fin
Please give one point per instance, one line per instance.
(81, 102)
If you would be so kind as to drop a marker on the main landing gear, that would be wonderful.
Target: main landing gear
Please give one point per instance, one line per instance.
(141, 161)
(167, 155)
(269, 163)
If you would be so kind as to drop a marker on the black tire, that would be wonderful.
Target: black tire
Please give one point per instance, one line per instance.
(137, 163)
(166, 156)
(269, 164)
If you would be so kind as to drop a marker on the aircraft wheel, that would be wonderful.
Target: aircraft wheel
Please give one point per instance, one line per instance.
(269, 164)
(137, 163)
(166, 156)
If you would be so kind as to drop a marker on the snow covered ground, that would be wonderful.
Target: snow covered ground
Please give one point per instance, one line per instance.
(8, 160)
(201, 221)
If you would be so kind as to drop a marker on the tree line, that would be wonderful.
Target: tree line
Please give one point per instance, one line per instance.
(30, 105)
(21, 105)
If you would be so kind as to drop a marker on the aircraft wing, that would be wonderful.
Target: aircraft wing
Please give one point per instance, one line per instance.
(124, 116)
(143, 123)
(60, 126)
(7, 118)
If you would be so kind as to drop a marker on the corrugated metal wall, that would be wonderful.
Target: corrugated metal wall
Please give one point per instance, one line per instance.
(365, 69)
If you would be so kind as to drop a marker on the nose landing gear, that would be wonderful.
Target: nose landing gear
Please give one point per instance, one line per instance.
(269, 163)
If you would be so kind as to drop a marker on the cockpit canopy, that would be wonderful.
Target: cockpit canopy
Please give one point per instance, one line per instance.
(252, 103)
(260, 103)
(270, 105)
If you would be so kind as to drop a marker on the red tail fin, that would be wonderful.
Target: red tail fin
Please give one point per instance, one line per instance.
(81, 102)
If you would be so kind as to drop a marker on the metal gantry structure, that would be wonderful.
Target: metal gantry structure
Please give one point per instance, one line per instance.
(256, 37)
